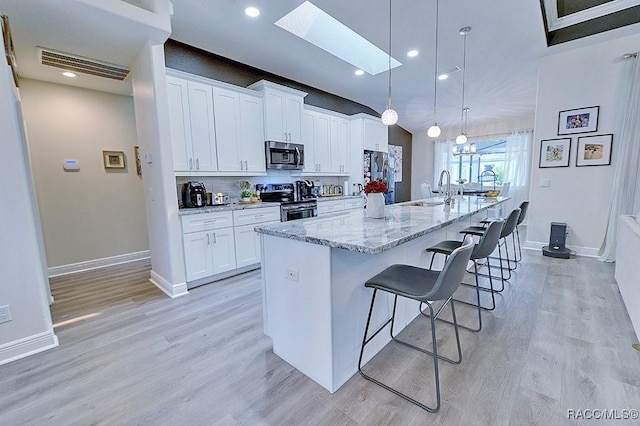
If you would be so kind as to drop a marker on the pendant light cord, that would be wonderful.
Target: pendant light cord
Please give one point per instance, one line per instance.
(389, 104)
(435, 70)
(464, 72)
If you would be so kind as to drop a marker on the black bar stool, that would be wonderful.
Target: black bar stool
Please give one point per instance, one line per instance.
(507, 229)
(425, 286)
(524, 207)
(487, 244)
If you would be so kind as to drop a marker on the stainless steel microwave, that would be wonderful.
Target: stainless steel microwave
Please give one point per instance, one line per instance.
(284, 155)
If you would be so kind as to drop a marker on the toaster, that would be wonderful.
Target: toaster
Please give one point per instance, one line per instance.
(194, 194)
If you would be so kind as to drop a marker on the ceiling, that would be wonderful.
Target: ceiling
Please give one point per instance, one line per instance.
(503, 48)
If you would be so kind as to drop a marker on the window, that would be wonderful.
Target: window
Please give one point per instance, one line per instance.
(489, 157)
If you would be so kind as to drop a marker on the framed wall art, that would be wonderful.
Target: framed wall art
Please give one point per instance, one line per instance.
(582, 120)
(113, 159)
(555, 152)
(594, 150)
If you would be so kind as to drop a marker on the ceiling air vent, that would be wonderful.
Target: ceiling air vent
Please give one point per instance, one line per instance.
(80, 64)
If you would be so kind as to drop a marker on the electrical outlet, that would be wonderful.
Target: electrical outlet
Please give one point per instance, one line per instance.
(293, 275)
(5, 314)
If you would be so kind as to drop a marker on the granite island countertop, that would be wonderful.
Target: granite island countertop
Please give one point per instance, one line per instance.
(354, 231)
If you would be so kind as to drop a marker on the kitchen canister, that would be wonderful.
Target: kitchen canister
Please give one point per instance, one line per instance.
(345, 188)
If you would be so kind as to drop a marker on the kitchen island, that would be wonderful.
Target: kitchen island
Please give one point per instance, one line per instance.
(313, 273)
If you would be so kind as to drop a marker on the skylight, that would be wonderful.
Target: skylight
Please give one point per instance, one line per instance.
(312, 24)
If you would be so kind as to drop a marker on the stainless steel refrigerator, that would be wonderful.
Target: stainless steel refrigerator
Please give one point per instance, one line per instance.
(379, 166)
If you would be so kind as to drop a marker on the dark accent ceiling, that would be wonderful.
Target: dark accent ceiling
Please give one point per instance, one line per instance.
(588, 27)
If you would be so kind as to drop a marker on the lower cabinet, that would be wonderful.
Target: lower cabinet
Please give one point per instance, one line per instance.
(333, 206)
(220, 242)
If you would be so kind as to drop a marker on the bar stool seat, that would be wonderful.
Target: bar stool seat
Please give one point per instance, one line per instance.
(524, 208)
(425, 286)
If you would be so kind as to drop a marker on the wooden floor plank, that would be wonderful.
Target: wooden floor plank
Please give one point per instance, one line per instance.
(559, 339)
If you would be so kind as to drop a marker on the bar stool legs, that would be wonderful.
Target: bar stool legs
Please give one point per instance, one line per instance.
(433, 352)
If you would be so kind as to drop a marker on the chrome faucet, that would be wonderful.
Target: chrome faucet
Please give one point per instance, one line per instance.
(447, 193)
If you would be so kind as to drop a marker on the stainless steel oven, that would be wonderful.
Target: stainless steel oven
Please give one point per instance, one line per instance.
(298, 210)
(291, 207)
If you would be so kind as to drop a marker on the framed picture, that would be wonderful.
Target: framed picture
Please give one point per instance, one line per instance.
(136, 153)
(113, 159)
(594, 150)
(555, 152)
(583, 120)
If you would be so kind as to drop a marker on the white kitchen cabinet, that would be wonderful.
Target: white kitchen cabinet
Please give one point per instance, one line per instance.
(197, 255)
(370, 132)
(353, 203)
(327, 146)
(191, 126)
(246, 239)
(340, 145)
(209, 245)
(239, 131)
(331, 206)
(282, 111)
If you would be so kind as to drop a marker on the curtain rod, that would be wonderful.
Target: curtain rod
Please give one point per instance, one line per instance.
(630, 55)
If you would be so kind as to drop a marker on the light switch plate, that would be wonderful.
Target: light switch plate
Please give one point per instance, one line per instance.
(5, 314)
(545, 182)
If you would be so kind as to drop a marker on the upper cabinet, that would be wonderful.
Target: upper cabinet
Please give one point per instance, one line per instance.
(192, 126)
(326, 142)
(283, 108)
(239, 131)
(373, 135)
(216, 128)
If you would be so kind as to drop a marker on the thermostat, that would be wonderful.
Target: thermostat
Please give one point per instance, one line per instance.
(71, 165)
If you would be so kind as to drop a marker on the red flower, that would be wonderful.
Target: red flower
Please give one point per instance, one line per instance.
(375, 186)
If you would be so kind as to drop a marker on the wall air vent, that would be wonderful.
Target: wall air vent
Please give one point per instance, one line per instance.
(80, 64)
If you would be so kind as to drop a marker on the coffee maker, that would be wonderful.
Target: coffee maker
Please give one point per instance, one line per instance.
(305, 190)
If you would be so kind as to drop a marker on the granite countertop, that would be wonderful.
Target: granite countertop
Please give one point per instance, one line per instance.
(354, 231)
(228, 207)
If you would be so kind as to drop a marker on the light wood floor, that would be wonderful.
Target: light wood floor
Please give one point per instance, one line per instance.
(560, 339)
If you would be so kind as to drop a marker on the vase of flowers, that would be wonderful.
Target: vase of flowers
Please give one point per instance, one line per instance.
(375, 190)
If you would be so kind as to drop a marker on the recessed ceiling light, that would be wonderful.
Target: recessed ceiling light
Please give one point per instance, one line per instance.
(443, 76)
(252, 11)
(412, 53)
(359, 72)
(69, 74)
(312, 24)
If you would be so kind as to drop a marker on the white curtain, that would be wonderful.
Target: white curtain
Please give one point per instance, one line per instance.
(517, 165)
(442, 159)
(625, 160)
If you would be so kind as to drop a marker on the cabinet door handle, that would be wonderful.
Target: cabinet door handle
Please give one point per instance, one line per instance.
(208, 239)
(241, 165)
(214, 238)
(246, 165)
(190, 163)
(197, 164)
(285, 137)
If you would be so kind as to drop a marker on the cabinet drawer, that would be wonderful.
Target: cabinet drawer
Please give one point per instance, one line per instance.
(206, 221)
(330, 206)
(353, 203)
(257, 215)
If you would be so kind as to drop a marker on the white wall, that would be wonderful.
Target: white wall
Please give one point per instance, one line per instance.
(91, 213)
(23, 286)
(159, 183)
(579, 196)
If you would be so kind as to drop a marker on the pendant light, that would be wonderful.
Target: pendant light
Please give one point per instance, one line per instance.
(462, 137)
(434, 130)
(389, 116)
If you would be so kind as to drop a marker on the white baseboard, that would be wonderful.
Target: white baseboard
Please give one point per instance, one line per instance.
(73, 268)
(27, 346)
(579, 251)
(171, 290)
